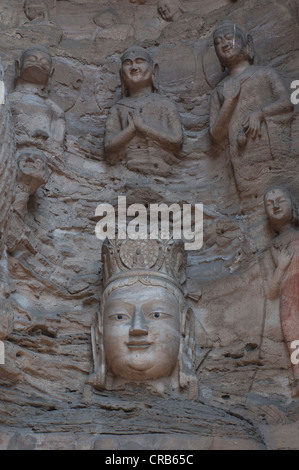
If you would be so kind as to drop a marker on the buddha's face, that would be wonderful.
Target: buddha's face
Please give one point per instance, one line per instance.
(34, 10)
(141, 332)
(278, 207)
(136, 71)
(167, 9)
(36, 66)
(229, 45)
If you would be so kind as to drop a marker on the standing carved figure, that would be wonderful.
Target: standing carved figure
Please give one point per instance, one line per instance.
(38, 120)
(145, 331)
(32, 172)
(283, 219)
(250, 112)
(143, 128)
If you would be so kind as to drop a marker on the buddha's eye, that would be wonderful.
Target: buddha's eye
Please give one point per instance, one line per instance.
(119, 316)
(157, 314)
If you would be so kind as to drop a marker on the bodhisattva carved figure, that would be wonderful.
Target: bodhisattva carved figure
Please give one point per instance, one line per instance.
(284, 283)
(32, 172)
(143, 128)
(38, 120)
(144, 333)
(110, 27)
(250, 109)
(39, 29)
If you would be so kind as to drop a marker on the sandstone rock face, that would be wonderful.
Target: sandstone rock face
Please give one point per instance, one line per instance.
(51, 266)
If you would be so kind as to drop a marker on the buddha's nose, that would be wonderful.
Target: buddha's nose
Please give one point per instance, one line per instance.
(138, 326)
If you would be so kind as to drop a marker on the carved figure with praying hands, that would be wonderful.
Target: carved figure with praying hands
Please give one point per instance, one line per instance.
(144, 128)
(250, 110)
(284, 283)
(144, 333)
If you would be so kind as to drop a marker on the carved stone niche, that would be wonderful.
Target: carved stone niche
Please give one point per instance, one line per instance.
(38, 120)
(144, 332)
(144, 128)
(284, 282)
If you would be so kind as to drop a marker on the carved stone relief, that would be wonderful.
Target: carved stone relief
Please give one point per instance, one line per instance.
(251, 111)
(32, 173)
(169, 127)
(283, 218)
(145, 330)
(144, 128)
(33, 75)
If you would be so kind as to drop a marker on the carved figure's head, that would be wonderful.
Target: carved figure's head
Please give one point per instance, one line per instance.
(170, 10)
(35, 65)
(138, 70)
(35, 10)
(32, 169)
(145, 330)
(280, 208)
(106, 18)
(232, 44)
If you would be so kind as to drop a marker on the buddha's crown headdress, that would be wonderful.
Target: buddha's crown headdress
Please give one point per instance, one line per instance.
(163, 259)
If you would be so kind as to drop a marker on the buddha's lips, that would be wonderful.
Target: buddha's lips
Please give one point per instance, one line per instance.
(139, 344)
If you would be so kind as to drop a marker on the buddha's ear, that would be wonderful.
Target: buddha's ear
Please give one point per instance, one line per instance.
(250, 48)
(17, 68)
(123, 88)
(98, 351)
(156, 77)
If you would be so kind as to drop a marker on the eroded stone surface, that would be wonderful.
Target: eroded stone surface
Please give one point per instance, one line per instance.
(52, 281)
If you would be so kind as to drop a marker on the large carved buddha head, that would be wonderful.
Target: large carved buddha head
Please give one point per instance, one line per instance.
(138, 71)
(232, 44)
(145, 330)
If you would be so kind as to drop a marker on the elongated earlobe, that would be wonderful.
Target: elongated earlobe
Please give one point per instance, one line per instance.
(250, 48)
(156, 78)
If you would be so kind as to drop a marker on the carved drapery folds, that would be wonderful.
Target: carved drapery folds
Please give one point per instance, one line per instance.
(144, 332)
